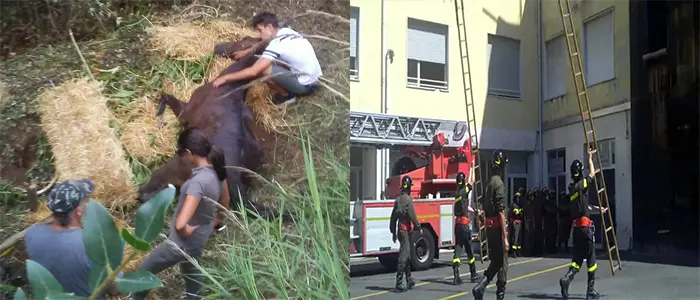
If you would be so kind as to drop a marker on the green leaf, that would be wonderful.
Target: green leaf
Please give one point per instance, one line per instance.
(19, 295)
(41, 280)
(61, 296)
(151, 215)
(137, 281)
(135, 242)
(101, 237)
(123, 94)
(98, 273)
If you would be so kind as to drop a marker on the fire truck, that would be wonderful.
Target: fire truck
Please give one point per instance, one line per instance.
(447, 150)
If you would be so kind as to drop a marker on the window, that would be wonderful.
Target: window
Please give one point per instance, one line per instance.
(354, 63)
(556, 170)
(599, 48)
(427, 55)
(503, 61)
(607, 154)
(557, 65)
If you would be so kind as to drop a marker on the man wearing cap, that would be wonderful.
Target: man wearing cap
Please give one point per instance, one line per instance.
(58, 244)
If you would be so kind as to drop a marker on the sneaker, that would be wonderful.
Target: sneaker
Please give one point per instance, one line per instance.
(289, 99)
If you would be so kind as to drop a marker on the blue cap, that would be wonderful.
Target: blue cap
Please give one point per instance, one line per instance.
(68, 194)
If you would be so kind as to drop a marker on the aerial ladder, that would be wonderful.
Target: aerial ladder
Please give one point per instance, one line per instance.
(471, 122)
(584, 105)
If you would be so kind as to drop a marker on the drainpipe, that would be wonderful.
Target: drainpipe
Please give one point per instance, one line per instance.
(379, 167)
(389, 56)
(540, 93)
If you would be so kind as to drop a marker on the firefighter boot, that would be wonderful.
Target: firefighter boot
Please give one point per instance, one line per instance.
(591, 293)
(480, 288)
(455, 270)
(400, 287)
(409, 281)
(475, 276)
(565, 281)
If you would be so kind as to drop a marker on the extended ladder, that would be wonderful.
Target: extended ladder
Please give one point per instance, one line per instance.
(471, 122)
(589, 132)
(368, 128)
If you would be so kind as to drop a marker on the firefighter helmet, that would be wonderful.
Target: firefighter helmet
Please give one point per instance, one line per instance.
(576, 170)
(499, 159)
(461, 179)
(406, 183)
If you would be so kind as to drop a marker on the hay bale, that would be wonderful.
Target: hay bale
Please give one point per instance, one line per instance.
(143, 136)
(190, 41)
(75, 118)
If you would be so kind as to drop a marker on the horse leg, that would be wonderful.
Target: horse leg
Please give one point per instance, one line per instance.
(175, 105)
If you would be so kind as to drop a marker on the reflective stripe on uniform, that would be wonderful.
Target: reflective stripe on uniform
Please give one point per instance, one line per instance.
(574, 196)
(585, 183)
(456, 260)
(593, 267)
(471, 261)
(458, 198)
(576, 266)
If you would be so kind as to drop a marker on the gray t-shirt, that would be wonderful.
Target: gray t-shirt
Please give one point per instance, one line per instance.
(203, 182)
(62, 252)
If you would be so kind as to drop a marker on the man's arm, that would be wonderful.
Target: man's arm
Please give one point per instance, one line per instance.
(393, 219)
(248, 73)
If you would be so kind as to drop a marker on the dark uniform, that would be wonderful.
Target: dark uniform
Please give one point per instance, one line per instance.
(549, 214)
(516, 220)
(528, 214)
(584, 233)
(538, 231)
(494, 211)
(564, 222)
(405, 215)
(462, 232)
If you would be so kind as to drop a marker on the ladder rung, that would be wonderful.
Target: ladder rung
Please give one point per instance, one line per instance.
(608, 229)
(612, 248)
(592, 151)
(566, 15)
(582, 93)
(574, 54)
(601, 190)
(589, 132)
(570, 34)
(578, 73)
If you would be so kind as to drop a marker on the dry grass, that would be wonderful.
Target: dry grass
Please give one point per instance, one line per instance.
(4, 95)
(144, 136)
(185, 41)
(75, 118)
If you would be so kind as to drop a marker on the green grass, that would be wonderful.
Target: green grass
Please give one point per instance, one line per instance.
(259, 259)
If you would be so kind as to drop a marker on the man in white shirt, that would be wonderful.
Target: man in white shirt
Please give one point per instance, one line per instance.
(281, 44)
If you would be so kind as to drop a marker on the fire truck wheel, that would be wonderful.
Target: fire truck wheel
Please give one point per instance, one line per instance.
(423, 253)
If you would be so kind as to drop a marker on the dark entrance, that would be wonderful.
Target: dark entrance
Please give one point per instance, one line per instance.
(665, 83)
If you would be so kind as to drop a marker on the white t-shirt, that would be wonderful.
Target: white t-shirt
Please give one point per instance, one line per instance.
(291, 47)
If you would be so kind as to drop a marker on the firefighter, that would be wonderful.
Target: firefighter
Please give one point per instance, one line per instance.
(564, 223)
(516, 219)
(462, 233)
(405, 215)
(538, 232)
(549, 214)
(584, 232)
(495, 220)
(529, 222)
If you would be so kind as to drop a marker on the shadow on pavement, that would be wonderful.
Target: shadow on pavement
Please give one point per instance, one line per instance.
(440, 281)
(381, 288)
(552, 296)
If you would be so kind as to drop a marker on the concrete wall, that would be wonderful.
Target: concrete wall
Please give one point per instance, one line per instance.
(604, 94)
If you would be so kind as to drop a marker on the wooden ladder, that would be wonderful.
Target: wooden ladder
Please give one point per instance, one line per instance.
(471, 122)
(601, 193)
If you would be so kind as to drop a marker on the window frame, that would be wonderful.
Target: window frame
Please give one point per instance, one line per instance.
(603, 13)
(428, 84)
(552, 40)
(502, 93)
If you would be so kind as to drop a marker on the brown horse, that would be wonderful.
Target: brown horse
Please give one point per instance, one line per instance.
(222, 114)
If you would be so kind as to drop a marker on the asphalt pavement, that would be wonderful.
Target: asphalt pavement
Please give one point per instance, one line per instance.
(531, 278)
